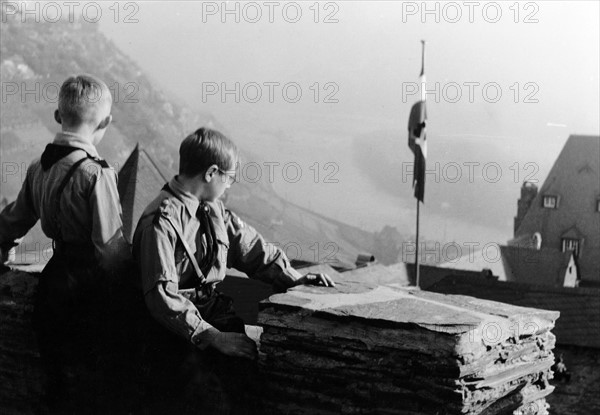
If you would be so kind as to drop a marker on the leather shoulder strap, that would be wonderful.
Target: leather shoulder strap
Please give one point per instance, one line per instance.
(167, 215)
(61, 188)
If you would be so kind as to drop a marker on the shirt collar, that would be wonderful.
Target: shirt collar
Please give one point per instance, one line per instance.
(190, 201)
(76, 140)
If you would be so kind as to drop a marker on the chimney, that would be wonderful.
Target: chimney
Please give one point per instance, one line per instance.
(364, 259)
(528, 192)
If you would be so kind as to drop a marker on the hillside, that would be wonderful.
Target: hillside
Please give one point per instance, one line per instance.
(39, 56)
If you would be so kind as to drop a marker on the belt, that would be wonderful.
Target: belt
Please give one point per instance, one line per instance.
(202, 293)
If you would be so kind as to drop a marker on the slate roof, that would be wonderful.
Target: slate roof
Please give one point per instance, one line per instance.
(478, 260)
(575, 180)
(579, 321)
(380, 274)
(140, 180)
(430, 275)
(403, 274)
(517, 263)
(546, 266)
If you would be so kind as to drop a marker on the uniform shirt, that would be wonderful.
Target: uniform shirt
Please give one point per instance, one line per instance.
(166, 271)
(89, 212)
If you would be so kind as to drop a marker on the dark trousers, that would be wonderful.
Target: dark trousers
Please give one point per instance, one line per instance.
(184, 379)
(79, 337)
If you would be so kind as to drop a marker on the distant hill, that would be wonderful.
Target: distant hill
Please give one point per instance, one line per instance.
(39, 56)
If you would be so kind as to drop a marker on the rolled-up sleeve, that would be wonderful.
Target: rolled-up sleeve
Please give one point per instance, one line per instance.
(112, 250)
(250, 253)
(154, 248)
(154, 251)
(177, 313)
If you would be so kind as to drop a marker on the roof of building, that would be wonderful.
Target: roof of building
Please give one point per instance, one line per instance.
(579, 322)
(403, 274)
(140, 179)
(487, 258)
(575, 180)
(430, 275)
(520, 263)
(546, 266)
(379, 274)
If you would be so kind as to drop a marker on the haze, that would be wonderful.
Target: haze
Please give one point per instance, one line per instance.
(363, 61)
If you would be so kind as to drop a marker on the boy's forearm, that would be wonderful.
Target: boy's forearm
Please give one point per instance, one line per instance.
(14, 225)
(178, 314)
(17, 218)
(262, 260)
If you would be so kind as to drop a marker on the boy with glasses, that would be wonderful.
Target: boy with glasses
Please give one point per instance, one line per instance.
(184, 242)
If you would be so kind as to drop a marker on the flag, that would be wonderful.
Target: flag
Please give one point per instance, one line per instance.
(417, 138)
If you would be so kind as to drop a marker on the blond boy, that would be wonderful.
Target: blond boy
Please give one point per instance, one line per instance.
(73, 192)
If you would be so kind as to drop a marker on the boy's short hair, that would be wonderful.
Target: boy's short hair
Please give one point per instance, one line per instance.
(203, 148)
(81, 98)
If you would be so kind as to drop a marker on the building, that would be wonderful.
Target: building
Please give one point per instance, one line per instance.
(564, 214)
(543, 266)
(526, 264)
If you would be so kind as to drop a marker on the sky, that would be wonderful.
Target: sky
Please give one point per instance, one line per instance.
(330, 82)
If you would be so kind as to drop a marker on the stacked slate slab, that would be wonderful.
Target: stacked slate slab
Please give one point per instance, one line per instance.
(362, 348)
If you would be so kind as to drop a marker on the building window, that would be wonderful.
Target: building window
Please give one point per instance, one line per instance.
(598, 205)
(550, 201)
(570, 245)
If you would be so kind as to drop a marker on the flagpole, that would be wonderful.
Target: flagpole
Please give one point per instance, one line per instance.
(417, 251)
(423, 97)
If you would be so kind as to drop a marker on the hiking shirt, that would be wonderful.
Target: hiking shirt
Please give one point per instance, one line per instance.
(88, 213)
(166, 272)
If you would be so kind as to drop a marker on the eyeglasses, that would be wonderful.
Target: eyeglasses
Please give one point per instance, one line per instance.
(229, 175)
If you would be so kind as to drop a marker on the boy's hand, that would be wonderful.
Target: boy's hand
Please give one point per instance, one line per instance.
(7, 255)
(313, 278)
(235, 344)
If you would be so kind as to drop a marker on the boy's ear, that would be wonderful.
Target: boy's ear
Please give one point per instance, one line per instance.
(57, 117)
(210, 172)
(104, 123)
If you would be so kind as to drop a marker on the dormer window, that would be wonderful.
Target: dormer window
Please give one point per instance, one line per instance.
(550, 201)
(569, 244)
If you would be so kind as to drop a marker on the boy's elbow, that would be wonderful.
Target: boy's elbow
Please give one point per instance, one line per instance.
(114, 255)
